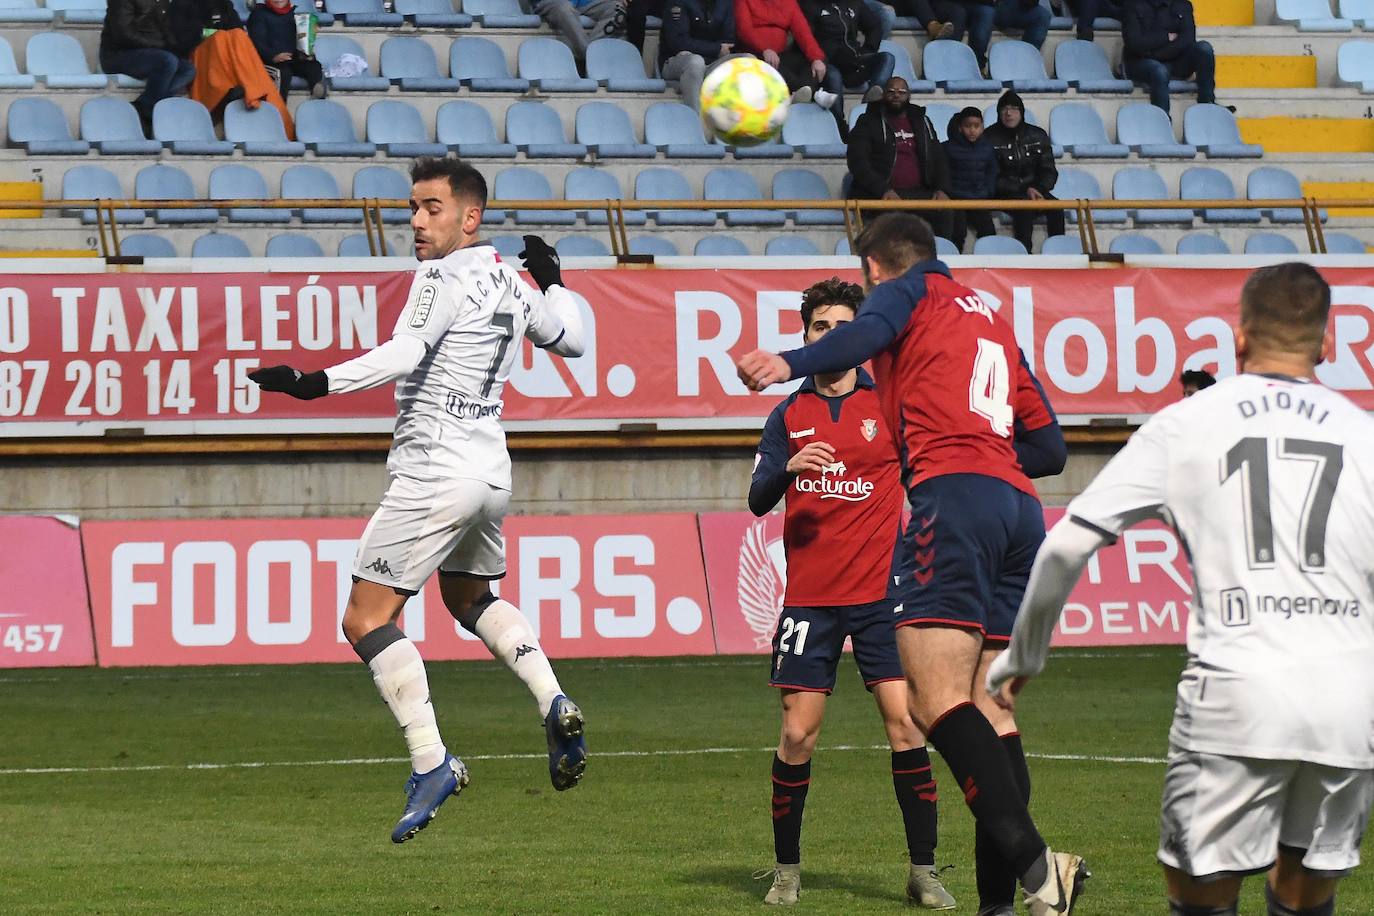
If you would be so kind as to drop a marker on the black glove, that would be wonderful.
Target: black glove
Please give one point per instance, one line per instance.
(303, 385)
(542, 262)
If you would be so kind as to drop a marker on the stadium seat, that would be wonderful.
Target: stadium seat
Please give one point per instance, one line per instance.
(619, 66)
(952, 66)
(1084, 66)
(998, 245)
(480, 64)
(653, 245)
(410, 64)
(536, 129)
(112, 126)
(804, 184)
(1273, 183)
(597, 184)
(720, 246)
(1204, 183)
(1078, 128)
(1149, 133)
(146, 245)
(78, 12)
(669, 184)
(220, 245)
(737, 184)
(548, 64)
(310, 182)
(675, 130)
(581, 246)
(1202, 243)
(185, 126)
(40, 127)
(1355, 62)
(1311, 15)
(1076, 183)
(1361, 11)
(397, 128)
(1134, 243)
(508, 247)
(842, 247)
(384, 183)
(294, 245)
(813, 130)
(92, 182)
(327, 128)
(1343, 243)
(1069, 243)
(791, 246)
(944, 248)
(1145, 184)
(520, 183)
(501, 14)
(25, 11)
(940, 115)
(10, 77)
(243, 182)
(1213, 130)
(354, 246)
(605, 129)
(364, 13)
(433, 14)
(1020, 66)
(467, 129)
(329, 48)
(167, 182)
(57, 59)
(1269, 243)
(905, 68)
(259, 131)
(772, 150)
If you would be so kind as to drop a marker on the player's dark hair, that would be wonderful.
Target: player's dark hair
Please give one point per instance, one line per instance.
(897, 241)
(1197, 378)
(1284, 308)
(829, 292)
(464, 181)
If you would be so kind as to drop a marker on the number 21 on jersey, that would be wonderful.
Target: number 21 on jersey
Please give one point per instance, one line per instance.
(989, 390)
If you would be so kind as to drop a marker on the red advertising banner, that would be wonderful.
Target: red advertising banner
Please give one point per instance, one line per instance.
(171, 352)
(269, 591)
(45, 617)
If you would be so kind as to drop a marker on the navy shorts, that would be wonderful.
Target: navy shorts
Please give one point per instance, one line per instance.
(966, 554)
(809, 640)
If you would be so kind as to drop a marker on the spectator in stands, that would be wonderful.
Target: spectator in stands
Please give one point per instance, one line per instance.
(972, 174)
(847, 31)
(1088, 10)
(1032, 19)
(192, 19)
(137, 40)
(1194, 380)
(565, 18)
(695, 33)
(894, 154)
(1025, 167)
(272, 26)
(637, 13)
(1161, 44)
(228, 67)
(777, 31)
(940, 18)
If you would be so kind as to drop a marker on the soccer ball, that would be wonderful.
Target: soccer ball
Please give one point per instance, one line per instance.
(744, 102)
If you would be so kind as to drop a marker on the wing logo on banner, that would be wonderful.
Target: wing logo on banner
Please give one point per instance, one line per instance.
(762, 576)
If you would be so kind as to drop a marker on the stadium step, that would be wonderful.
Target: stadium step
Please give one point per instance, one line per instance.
(1266, 71)
(1224, 12)
(1309, 135)
(1345, 190)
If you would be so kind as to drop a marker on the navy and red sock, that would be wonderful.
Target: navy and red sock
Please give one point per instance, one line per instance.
(914, 783)
(790, 782)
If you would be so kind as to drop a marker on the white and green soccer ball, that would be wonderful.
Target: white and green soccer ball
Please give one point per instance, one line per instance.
(744, 102)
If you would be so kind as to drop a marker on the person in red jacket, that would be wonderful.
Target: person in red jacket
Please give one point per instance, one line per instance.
(776, 31)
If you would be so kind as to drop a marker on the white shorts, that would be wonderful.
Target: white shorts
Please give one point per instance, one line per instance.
(1229, 815)
(450, 525)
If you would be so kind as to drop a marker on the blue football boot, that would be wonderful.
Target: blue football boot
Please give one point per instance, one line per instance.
(425, 793)
(567, 747)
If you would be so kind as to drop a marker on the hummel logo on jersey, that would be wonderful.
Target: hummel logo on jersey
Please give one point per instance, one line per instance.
(380, 566)
(522, 651)
(432, 273)
(802, 433)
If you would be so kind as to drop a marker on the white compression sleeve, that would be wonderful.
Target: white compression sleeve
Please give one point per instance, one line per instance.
(394, 359)
(564, 307)
(399, 673)
(509, 637)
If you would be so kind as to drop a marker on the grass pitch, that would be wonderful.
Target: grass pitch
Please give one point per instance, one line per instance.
(274, 789)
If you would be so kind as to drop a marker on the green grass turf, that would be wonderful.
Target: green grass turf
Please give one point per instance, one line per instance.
(677, 833)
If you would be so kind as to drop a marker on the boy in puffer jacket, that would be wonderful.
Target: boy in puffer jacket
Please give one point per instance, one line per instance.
(972, 174)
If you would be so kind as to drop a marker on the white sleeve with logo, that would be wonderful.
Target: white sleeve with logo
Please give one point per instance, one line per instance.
(431, 307)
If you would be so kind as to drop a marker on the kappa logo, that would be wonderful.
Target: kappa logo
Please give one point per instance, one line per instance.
(761, 582)
(522, 651)
(870, 429)
(381, 567)
(432, 273)
(424, 304)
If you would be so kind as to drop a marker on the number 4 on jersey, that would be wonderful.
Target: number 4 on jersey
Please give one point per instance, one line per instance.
(989, 391)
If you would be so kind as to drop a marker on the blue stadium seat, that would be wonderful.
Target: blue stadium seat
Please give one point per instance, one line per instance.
(10, 77)
(397, 128)
(433, 14)
(1134, 243)
(167, 182)
(466, 128)
(1144, 184)
(520, 183)
(905, 67)
(354, 246)
(581, 246)
(675, 130)
(220, 245)
(1355, 62)
(998, 245)
(1147, 130)
(605, 129)
(791, 246)
(410, 64)
(1202, 243)
(501, 14)
(597, 184)
(618, 65)
(1213, 130)
(1361, 11)
(365, 13)
(40, 127)
(92, 182)
(508, 247)
(1311, 16)
(185, 126)
(58, 60)
(1343, 243)
(944, 248)
(940, 115)
(1074, 184)
(720, 246)
(772, 150)
(813, 130)
(327, 128)
(654, 245)
(952, 67)
(1020, 66)
(307, 182)
(842, 247)
(17, 11)
(259, 131)
(1078, 128)
(78, 12)
(537, 130)
(1204, 183)
(480, 64)
(112, 126)
(294, 245)
(146, 245)
(1084, 66)
(669, 184)
(548, 64)
(384, 183)
(243, 182)
(737, 184)
(329, 48)
(1063, 244)
(1269, 243)
(1273, 183)
(804, 184)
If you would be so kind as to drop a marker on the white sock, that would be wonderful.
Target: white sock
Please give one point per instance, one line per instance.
(508, 635)
(399, 673)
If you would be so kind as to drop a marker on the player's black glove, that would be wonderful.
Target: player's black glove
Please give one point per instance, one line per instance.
(542, 262)
(304, 385)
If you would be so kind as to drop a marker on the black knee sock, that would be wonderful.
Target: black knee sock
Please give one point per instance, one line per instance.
(914, 784)
(1279, 909)
(995, 876)
(979, 762)
(790, 782)
(1186, 909)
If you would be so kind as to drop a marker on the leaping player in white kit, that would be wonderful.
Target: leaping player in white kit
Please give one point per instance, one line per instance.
(1269, 479)
(452, 351)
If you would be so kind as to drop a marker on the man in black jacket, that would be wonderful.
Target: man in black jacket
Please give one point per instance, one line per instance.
(849, 32)
(1161, 44)
(895, 154)
(136, 39)
(1086, 11)
(1025, 167)
(694, 34)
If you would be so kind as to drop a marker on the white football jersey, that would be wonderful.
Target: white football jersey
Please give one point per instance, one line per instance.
(1270, 483)
(471, 309)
